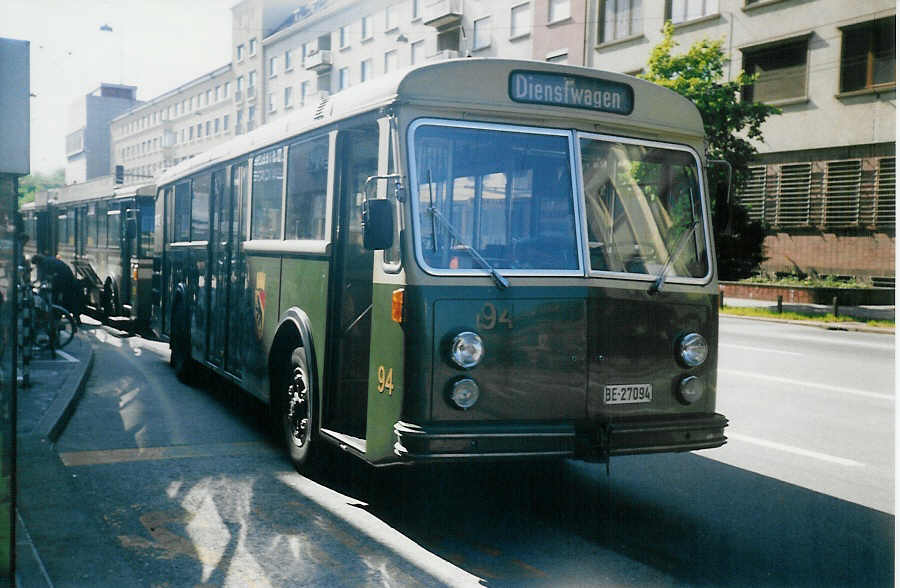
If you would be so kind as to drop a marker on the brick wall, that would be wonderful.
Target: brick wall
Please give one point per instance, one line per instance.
(829, 253)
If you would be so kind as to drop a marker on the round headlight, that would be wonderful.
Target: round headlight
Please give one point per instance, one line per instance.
(464, 393)
(467, 349)
(692, 349)
(691, 389)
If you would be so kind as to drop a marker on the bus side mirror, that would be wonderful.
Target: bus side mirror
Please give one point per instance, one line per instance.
(377, 224)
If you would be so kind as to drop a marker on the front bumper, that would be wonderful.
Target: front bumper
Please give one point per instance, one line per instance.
(589, 440)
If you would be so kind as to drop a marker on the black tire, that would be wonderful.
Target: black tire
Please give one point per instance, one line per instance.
(180, 345)
(296, 411)
(65, 326)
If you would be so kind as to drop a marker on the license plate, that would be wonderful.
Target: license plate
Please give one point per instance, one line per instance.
(628, 394)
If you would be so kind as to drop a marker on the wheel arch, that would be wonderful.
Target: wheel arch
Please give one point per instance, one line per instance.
(294, 330)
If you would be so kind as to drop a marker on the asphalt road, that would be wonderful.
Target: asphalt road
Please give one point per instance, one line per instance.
(167, 485)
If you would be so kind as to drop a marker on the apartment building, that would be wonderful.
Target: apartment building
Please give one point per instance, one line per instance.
(87, 136)
(327, 47)
(824, 180)
(174, 126)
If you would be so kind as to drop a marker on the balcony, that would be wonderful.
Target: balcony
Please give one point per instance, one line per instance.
(442, 13)
(319, 62)
(443, 55)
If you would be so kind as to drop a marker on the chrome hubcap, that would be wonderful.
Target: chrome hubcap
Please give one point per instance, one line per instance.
(298, 407)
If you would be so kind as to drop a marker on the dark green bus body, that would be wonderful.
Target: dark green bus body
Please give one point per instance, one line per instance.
(376, 327)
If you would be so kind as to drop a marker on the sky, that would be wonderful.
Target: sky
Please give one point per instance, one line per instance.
(155, 45)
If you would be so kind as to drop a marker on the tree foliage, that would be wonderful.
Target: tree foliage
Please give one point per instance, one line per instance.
(38, 182)
(730, 125)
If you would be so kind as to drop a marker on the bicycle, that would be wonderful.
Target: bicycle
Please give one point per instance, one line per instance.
(53, 325)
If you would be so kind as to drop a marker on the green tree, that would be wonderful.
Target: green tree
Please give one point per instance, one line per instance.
(38, 182)
(730, 125)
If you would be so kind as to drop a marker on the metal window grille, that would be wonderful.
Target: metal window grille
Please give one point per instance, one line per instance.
(886, 194)
(753, 194)
(792, 206)
(843, 180)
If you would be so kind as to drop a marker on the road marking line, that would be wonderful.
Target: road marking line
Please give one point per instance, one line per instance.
(110, 456)
(795, 450)
(66, 356)
(842, 390)
(748, 348)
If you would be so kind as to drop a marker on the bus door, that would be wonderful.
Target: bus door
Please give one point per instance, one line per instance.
(350, 316)
(220, 261)
(236, 311)
(129, 247)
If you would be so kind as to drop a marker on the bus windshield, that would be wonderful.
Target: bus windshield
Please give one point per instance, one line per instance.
(506, 194)
(501, 198)
(644, 214)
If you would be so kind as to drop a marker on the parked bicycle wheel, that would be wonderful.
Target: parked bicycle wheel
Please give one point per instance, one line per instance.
(56, 330)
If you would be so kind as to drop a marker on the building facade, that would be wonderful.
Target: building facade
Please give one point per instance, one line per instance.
(87, 138)
(823, 183)
(174, 126)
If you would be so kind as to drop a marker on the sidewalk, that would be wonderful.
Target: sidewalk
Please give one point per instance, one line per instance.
(43, 409)
(860, 314)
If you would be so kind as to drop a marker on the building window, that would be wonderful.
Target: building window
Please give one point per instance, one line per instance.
(344, 37)
(273, 66)
(209, 99)
(686, 10)
(416, 13)
(481, 35)
(390, 61)
(225, 124)
(365, 70)
(621, 19)
(416, 52)
(216, 126)
(240, 52)
(251, 80)
(868, 55)
(208, 128)
(520, 20)
(271, 101)
(781, 71)
(252, 47)
(226, 90)
(343, 78)
(366, 27)
(288, 97)
(559, 10)
(304, 92)
(287, 61)
(390, 17)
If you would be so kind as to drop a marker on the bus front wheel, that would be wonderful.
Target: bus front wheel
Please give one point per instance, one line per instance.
(297, 410)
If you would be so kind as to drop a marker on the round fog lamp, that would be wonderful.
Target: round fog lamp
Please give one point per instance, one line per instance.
(467, 349)
(464, 393)
(692, 349)
(691, 389)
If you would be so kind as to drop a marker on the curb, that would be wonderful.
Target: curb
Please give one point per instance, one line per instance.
(856, 327)
(57, 416)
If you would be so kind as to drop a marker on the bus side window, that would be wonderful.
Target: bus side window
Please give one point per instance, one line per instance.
(200, 209)
(307, 188)
(265, 203)
(182, 209)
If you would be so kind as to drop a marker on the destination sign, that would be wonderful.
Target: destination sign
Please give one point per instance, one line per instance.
(571, 91)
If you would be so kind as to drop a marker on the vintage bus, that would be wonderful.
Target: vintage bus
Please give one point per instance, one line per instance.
(105, 233)
(472, 259)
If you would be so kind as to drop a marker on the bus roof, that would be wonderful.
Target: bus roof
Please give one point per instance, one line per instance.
(477, 84)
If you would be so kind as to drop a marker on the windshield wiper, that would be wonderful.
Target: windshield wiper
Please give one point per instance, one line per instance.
(499, 280)
(682, 241)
